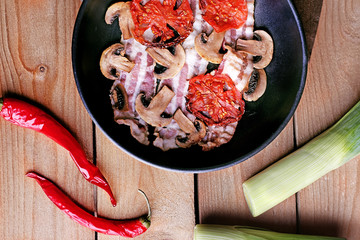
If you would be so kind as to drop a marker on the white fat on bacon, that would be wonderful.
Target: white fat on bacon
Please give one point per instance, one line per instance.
(239, 67)
(141, 80)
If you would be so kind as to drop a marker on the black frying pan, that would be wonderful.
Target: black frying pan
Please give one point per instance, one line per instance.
(262, 122)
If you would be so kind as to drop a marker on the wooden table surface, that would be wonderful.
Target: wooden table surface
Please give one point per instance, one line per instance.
(35, 62)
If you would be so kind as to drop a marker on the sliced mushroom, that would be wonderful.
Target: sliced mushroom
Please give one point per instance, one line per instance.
(119, 97)
(121, 10)
(257, 85)
(208, 47)
(152, 114)
(196, 131)
(263, 47)
(173, 62)
(113, 61)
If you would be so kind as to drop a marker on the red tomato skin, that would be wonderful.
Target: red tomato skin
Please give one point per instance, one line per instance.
(215, 99)
(158, 17)
(223, 15)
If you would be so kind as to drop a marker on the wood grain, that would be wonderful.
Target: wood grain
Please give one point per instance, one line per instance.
(309, 19)
(221, 199)
(35, 63)
(329, 206)
(171, 194)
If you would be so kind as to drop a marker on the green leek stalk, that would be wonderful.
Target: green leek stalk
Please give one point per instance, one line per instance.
(326, 152)
(223, 232)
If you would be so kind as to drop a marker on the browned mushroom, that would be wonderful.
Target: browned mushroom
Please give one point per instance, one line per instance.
(119, 97)
(208, 47)
(263, 48)
(120, 104)
(121, 10)
(113, 61)
(173, 62)
(195, 131)
(152, 113)
(257, 85)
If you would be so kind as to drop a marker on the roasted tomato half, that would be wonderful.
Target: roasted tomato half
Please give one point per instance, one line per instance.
(223, 15)
(215, 99)
(161, 25)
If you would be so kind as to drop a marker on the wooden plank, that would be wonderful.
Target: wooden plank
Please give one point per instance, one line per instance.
(35, 62)
(329, 206)
(309, 14)
(171, 194)
(221, 199)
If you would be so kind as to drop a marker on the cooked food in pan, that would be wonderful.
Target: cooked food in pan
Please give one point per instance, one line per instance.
(183, 70)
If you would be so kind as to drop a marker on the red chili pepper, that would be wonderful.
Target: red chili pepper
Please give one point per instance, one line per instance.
(125, 228)
(28, 116)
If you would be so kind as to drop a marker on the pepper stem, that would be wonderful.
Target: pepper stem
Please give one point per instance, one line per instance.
(146, 220)
(1, 103)
(147, 203)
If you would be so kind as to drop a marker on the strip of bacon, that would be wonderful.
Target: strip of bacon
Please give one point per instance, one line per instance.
(239, 67)
(217, 136)
(195, 65)
(135, 82)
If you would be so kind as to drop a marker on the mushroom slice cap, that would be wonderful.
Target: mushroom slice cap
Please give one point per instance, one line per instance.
(173, 62)
(208, 47)
(258, 80)
(119, 97)
(263, 48)
(152, 113)
(121, 10)
(113, 61)
(196, 131)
